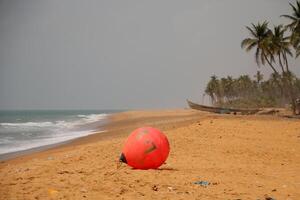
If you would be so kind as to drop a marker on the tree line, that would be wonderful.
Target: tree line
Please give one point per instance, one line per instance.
(247, 92)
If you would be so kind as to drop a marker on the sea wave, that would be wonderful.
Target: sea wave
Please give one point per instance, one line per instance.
(35, 143)
(28, 124)
(20, 136)
(81, 120)
(6, 140)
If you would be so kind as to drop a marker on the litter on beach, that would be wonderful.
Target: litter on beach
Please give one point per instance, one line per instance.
(202, 183)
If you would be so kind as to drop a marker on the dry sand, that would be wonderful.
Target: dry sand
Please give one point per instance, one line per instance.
(243, 157)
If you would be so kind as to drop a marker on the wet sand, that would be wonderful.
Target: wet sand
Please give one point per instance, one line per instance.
(242, 157)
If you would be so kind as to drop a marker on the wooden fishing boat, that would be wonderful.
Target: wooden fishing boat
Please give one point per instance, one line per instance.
(221, 110)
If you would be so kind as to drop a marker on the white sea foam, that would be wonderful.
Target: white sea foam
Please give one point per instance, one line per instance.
(6, 140)
(84, 119)
(27, 135)
(28, 124)
(25, 145)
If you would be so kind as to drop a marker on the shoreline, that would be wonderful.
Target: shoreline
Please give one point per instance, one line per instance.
(114, 126)
(95, 128)
(110, 122)
(242, 157)
(24, 132)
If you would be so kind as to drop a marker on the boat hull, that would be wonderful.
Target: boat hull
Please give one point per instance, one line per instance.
(221, 110)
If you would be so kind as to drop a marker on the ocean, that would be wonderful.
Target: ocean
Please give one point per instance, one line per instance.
(24, 130)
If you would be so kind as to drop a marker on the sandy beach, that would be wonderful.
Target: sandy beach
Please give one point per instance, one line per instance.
(241, 157)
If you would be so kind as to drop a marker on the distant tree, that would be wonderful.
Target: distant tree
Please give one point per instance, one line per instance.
(244, 92)
(212, 88)
(227, 84)
(259, 77)
(245, 86)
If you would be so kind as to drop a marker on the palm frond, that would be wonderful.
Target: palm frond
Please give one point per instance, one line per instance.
(251, 31)
(294, 8)
(292, 25)
(297, 53)
(289, 52)
(250, 46)
(289, 17)
(247, 42)
(264, 25)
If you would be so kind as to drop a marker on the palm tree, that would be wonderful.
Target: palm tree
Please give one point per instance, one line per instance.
(245, 85)
(280, 47)
(259, 77)
(212, 88)
(229, 88)
(260, 39)
(266, 47)
(294, 26)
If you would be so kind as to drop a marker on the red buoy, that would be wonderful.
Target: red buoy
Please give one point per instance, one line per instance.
(145, 148)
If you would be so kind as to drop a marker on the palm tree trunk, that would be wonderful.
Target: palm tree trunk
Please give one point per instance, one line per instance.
(276, 72)
(280, 62)
(286, 62)
(290, 85)
(283, 74)
(273, 68)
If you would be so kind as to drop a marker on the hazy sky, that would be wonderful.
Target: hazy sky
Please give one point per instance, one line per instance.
(74, 54)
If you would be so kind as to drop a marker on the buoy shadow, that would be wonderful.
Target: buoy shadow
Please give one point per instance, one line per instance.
(168, 169)
(160, 169)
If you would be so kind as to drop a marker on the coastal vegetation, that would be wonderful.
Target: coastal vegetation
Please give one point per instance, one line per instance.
(273, 48)
(247, 92)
